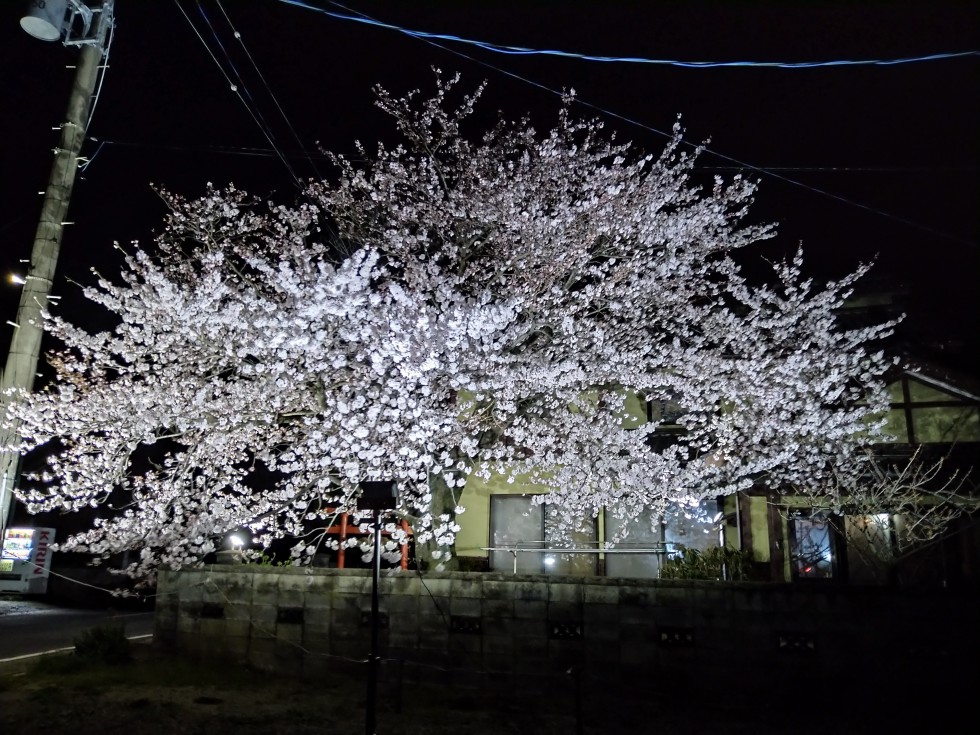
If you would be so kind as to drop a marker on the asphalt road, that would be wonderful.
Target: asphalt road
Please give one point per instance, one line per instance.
(28, 627)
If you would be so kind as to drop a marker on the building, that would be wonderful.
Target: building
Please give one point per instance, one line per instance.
(780, 537)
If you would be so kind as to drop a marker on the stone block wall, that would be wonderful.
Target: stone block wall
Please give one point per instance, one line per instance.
(300, 621)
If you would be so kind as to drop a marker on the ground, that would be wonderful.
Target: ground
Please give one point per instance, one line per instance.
(157, 692)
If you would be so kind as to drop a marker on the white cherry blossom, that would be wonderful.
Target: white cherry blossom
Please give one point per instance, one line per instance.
(454, 305)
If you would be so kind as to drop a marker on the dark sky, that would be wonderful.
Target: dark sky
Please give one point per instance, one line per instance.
(902, 139)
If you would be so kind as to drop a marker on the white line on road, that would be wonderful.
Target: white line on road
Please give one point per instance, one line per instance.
(63, 650)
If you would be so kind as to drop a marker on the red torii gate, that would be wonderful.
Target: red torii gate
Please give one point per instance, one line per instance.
(343, 529)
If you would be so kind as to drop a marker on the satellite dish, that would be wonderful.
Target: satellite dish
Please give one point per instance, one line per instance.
(45, 19)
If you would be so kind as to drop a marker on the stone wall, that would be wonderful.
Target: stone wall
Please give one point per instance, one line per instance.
(302, 621)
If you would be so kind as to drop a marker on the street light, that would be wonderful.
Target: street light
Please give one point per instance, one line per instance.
(377, 496)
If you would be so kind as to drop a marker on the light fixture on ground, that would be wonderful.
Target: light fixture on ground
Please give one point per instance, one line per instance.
(377, 496)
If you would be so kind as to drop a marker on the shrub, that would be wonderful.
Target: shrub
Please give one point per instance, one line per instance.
(712, 563)
(106, 644)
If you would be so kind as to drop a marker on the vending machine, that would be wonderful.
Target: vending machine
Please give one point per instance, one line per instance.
(25, 560)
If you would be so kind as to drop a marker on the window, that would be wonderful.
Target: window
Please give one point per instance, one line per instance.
(869, 547)
(515, 522)
(530, 530)
(679, 529)
(694, 528)
(811, 545)
(664, 411)
(644, 531)
(529, 540)
(924, 414)
(946, 424)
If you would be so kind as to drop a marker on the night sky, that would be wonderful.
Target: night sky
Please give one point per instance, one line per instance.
(901, 139)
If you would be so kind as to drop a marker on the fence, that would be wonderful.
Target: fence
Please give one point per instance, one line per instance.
(482, 627)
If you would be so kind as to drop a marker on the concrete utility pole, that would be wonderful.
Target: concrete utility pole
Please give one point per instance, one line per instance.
(48, 21)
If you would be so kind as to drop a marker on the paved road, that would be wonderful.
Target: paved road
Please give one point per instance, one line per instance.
(32, 627)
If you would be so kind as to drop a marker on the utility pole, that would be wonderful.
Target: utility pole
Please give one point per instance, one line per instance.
(87, 28)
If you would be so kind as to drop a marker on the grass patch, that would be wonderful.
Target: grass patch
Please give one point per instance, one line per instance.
(159, 694)
(146, 667)
(106, 644)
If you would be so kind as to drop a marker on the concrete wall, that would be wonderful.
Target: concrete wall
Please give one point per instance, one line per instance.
(302, 621)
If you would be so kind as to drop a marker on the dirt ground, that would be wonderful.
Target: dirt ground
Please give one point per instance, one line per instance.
(159, 693)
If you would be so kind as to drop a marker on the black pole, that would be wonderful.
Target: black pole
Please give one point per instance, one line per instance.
(370, 719)
(377, 496)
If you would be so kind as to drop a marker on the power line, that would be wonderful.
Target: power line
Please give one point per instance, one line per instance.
(104, 68)
(853, 169)
(258, 152)
(523, 51)
(741, 165)
(234, 88)
(266, 128)
(268, 88)
(245, 151)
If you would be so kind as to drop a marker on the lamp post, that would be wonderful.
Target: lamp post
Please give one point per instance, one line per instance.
(377, 496)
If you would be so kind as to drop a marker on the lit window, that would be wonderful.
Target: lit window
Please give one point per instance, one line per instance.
(811, 545)
(530, 533)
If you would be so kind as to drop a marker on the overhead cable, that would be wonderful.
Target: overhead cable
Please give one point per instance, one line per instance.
(228, 150)
(104, 66)
(258, 152)
(234, 88)
(268, 89)
(257, 111)
(523, 51)
(636, 123)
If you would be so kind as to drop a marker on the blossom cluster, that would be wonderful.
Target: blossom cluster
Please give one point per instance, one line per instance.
(449, 307)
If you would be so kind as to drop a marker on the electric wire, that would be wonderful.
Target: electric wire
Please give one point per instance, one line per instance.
(105, 67)
(95, 155)
(258, 152)
(524, 51)
(234, 89)
(266, 128)
(241, 84)
(636, 123)
(853, 169)
(268, 89)
(245, 151)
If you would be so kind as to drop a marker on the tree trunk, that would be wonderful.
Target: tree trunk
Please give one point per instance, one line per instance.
(444, 502)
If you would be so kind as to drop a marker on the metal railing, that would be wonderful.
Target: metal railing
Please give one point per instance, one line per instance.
(660, 549)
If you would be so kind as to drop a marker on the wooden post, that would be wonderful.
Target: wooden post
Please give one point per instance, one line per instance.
(407, 530)
(341, 554)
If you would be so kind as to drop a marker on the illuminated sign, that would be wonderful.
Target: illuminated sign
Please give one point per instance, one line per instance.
(17, 544)
(25, 559)
(42, 554)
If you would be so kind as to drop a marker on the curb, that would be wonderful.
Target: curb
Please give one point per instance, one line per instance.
(20, 665)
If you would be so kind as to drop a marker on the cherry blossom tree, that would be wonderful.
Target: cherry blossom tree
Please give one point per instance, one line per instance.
(455, 305)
